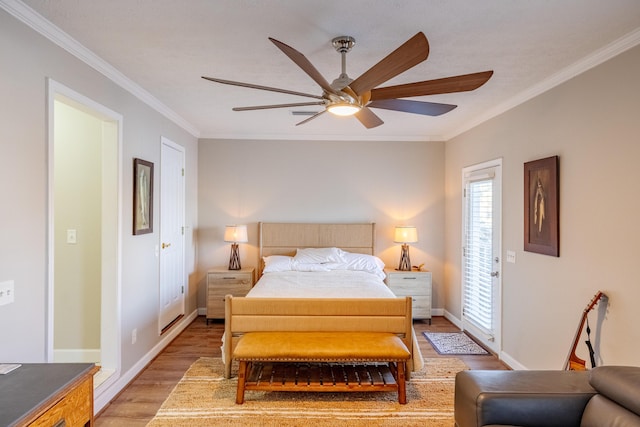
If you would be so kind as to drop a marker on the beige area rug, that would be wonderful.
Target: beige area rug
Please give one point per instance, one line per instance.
(203, 397)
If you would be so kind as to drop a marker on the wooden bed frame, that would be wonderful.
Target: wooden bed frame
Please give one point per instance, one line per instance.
(300, 355)
(284, 239)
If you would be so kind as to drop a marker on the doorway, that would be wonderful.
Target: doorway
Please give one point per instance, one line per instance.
(83, 323)
(481, 254)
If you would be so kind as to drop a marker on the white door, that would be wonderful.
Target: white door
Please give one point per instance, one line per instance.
(481, 262)
(172, 271)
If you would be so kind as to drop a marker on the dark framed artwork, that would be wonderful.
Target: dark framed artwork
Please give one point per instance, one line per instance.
(541, 206)
(142, 196)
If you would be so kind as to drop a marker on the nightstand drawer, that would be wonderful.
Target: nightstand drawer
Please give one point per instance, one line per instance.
(219, 291)
(215, 307)
(231, 279)
(414, 284)
(222, 282)
(410, 289)
(421, 307)
(399, 276)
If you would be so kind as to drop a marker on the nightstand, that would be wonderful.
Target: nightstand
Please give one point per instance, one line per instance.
(417, 285)
(222, 282)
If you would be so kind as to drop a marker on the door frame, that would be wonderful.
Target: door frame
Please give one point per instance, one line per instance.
(494, 343)
(110, 322)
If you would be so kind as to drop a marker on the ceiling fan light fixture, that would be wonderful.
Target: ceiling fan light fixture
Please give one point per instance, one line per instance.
(343, 109)
(348, 97)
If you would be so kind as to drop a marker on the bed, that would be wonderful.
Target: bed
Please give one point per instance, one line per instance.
(332, 261)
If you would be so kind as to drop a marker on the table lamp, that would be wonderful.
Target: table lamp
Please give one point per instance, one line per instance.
(404, 235)
(235, 234)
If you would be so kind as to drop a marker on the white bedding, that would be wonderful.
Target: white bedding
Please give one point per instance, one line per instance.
(322, 284)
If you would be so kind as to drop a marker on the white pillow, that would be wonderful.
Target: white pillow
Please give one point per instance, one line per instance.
(318, 255)
(275, 263)
(303, 266)
(363, 262)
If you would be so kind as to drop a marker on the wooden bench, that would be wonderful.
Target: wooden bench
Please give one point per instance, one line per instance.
(323, 350)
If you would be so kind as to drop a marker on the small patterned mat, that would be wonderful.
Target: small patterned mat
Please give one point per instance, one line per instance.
(454, 343)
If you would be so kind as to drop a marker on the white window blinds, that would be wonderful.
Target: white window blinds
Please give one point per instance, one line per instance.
(478, 252)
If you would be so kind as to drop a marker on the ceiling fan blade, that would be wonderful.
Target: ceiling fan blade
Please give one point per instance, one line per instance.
(368, 118)
(266, 107)
(412, 52)
(252, 86)
(416, 107)
(302, 62)
(461, 83)
(308, 119)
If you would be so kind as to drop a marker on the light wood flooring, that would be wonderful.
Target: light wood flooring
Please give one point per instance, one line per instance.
(138, 403)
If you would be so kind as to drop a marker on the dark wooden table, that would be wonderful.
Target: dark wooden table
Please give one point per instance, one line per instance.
(39, 391)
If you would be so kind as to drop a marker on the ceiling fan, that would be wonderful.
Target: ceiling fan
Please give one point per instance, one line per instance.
(346, 96)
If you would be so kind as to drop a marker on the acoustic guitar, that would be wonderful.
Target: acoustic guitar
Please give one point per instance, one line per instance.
(573, 362)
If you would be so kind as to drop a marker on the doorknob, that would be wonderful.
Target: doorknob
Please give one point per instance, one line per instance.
(495, 274)
(166, 245)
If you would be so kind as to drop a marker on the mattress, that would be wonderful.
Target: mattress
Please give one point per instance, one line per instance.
(321, 284)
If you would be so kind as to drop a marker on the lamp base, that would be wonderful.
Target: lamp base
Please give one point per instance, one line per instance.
(234, 260)
(405, 262)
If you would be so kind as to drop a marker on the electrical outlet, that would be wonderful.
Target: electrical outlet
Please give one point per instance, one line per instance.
(6, 292)
(134, 336)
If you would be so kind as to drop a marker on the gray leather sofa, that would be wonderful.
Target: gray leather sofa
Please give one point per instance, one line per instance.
(606, 396)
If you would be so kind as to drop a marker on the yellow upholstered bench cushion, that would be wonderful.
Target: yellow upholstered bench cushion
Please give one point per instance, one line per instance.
(321, 346)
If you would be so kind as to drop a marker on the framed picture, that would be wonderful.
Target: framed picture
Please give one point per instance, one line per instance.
(142, 196)
(541, 206)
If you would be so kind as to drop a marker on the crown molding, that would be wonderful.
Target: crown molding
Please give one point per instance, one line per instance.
(623, 44)
(321, 137)
(39, 24)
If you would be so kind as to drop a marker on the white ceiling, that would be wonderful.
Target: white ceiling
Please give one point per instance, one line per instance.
(165, 46)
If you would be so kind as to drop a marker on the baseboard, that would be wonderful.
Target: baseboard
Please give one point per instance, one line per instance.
(453, 319)
(503, 356)
(511, 362)
(103, 396)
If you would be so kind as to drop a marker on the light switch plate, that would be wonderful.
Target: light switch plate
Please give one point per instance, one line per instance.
(6, 292)
(511, 257)
(72, 237)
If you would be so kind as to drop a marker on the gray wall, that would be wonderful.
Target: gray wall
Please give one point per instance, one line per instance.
(389, 183)
(28, 60)
(591, 122)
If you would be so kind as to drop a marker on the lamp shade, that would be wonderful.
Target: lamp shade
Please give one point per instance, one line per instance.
(406, 234)
(235, 234)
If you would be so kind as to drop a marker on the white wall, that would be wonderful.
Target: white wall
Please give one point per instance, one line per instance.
(28, 60)
(389, 183)
(591, 123)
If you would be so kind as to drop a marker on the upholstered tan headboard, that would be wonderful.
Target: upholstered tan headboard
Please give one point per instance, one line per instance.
(284, 238)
